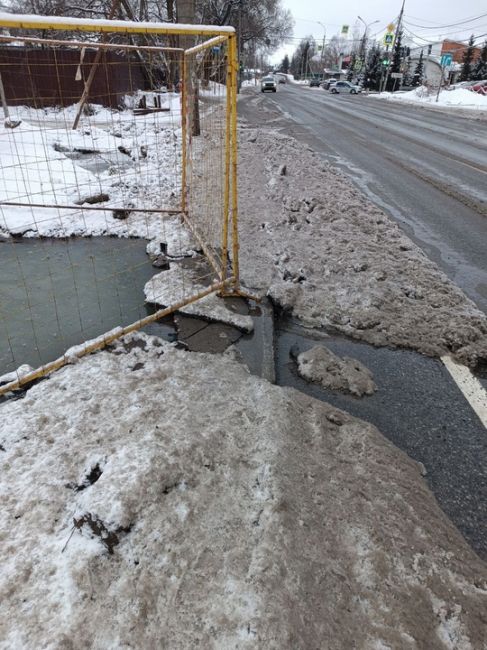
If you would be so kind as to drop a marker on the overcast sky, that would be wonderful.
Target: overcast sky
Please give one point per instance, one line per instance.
(434, 15)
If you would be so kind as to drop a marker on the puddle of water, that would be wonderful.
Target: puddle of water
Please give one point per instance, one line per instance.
(59, 293)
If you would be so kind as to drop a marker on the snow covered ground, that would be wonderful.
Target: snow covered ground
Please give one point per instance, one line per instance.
(459, 98)
(125, 161)
(153, 497)
(330, 257)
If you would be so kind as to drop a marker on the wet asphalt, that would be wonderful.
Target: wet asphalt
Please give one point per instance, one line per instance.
(420, 409)
(427, 169)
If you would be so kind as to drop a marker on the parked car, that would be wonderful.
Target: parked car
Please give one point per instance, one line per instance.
(345, 87)
(328, 83)
(314, 82)
(281, 80)
(268, 83)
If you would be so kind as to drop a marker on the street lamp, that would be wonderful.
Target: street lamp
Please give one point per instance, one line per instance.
(364, 38)
(323, 43)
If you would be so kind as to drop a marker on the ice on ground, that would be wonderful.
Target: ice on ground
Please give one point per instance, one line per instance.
(150, 495)
(21, 371)
(322, 366)
(330, 257)
(177, 241)
(456, 98)
(177, 283)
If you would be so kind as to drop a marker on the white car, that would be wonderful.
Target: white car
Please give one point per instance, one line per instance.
(268, 83)
(345, 87)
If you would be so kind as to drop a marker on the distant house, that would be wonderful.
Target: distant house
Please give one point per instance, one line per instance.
(432, 54)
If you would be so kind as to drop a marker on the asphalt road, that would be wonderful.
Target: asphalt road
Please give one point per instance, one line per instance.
(427, 169)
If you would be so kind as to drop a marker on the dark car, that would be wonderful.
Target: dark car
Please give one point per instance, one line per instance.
(315, 82)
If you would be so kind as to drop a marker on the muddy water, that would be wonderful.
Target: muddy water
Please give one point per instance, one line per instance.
(58, 293)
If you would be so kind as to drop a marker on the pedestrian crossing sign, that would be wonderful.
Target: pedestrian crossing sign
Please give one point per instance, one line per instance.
(389, 39)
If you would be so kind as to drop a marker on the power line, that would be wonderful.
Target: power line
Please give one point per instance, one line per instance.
(441, 35)
(438, 40)
(463, 22)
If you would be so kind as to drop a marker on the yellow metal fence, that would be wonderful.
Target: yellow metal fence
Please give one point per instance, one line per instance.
(112, 128)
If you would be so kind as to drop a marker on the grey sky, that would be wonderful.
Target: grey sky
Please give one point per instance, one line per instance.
(430, 13)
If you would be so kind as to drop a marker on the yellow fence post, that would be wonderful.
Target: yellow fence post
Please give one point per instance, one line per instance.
(234, 151)
(184, 154)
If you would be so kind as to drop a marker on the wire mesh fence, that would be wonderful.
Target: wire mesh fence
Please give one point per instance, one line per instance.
(121, 130)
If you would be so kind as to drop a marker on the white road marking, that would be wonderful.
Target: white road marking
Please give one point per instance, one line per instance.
(472, 389)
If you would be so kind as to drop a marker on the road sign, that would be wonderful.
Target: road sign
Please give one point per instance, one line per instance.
(396, 75)
(345, 29)
(446, 60)
(389, 38)
(390, 27)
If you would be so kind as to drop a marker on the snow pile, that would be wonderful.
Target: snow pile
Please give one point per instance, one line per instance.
(456, 98)
(322, 366)
(328, 256)
(177, 283)
(142, 502)
(114, 160)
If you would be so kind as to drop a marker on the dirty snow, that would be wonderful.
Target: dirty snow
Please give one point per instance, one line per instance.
(456, 98)
(330, 257)
(177, 283)
(322, 366)
(142, 505)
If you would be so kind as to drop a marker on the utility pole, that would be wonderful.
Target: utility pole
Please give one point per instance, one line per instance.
(396, 32)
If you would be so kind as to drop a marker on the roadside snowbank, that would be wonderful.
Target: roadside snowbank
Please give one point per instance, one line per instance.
(153, 496)
(457, 98)
(329, 256)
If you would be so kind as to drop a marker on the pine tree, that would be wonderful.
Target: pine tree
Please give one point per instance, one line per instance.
(351, 67)
(466, 72)
(480, 68)
(419, 71)
(373, 69)
(285, 64)
(396, 60)
(407, 80)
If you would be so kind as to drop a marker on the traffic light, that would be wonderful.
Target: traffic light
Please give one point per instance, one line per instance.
(385, 62)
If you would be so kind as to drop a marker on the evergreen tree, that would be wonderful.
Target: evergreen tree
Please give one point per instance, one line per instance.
(351, 67)
(407, 80)
(397, 55)
(373, 70)
(419, 71)
(466, 73)
(480, 68)
(285, 64)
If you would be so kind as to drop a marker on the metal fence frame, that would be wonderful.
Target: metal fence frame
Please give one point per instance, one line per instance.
(228, 271)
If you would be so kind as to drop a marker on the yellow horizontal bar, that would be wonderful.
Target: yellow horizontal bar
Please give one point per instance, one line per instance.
(24, 21)
(203, 46)
(102, 342)
(88, 44)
